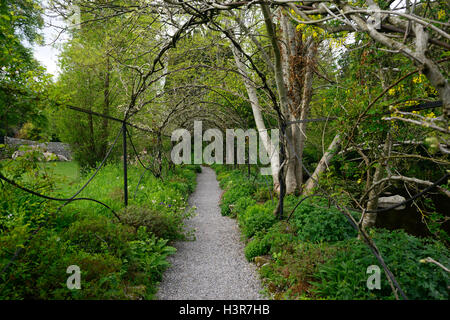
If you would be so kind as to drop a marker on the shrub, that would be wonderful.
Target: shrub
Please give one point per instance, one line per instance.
(318, 224)
(17, 207)
(99, 234)
(118, 260)
(229, 179)
(180, 185)
(99, 274)
(40, 272)
(147, 259)
(242, 204)
(163, 224)
(256, 218)
(30, 132)
(344, 276)
(183, 179)
(279, 236)
(262, 194)
(195, 167)
(272, 240)
(117, 194)
(233, 194)
(289, 273)
(256, 247)
(223, 178)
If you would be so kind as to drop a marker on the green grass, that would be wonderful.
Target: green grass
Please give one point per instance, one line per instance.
(63, 172)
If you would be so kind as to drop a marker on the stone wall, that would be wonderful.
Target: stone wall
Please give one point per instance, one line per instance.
(53, 147)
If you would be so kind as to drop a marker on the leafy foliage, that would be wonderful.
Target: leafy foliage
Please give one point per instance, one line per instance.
(118, 260)
(317, 255)
(163, 224)
(24, 84)
(256, 247)
(314, 222)
(343, 276)
(256, 218)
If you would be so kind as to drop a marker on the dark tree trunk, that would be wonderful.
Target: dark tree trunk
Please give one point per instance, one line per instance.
(106, 104)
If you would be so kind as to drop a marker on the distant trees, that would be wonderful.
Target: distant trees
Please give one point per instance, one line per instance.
(22, 79)
(88, 78)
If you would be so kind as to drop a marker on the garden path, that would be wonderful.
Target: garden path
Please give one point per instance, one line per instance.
(213, 266)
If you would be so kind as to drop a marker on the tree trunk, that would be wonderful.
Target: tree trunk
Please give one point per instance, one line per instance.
(298, 60)
(106, 104)
(281, 174)
(323, 164)
(261, 127)
(159, 155)
(370, 218)
(291, 164)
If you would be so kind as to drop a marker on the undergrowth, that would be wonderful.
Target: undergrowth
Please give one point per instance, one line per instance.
(315, 254)
(118, 259)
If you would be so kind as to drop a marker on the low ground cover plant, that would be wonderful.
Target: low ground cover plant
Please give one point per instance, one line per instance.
(315, 254)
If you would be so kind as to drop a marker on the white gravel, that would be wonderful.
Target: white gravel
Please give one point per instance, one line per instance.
(213, 266)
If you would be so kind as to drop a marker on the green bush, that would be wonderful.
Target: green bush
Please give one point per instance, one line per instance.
(100, 276)
(289, 272)
(163, 224)
(344, 276)
(316, 254)
(196, 168)
(271, 240)
(256, 218)
(40, 271)
(315, 223)
(242, 204)
(279, 236)
(17, 207)
(147, 259)
(224, 178)
(256, 247)
(233, 194)
(262, 194)
(98, 234)
(184, 179)
(228, 179)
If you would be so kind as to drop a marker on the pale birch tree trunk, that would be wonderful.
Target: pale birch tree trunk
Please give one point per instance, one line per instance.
(333, 148)
(256, 109)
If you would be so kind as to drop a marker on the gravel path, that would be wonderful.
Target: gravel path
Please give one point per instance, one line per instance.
(213, 266)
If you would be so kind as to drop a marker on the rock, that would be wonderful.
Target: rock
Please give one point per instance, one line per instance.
(262, 260)
(386, 202)
(49, 156)
(61, 157)
(17, 154)
(43, 156)
(57, 148)
(135, 292)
